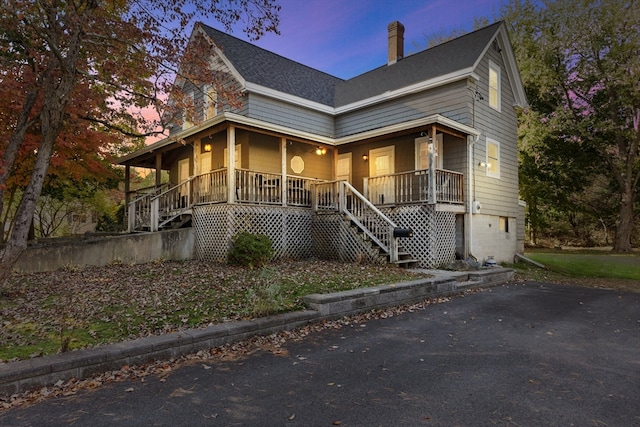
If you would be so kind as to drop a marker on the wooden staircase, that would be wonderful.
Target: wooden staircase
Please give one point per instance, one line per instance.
(373, 225)
(405, 259)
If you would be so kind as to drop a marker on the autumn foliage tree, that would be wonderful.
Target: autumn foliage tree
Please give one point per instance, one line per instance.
(75, 76)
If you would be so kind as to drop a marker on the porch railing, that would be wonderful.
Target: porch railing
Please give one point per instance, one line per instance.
(210, 187)
(299, 190)
(343, 197)
(258, 187)
(413, 187)
(153, 210)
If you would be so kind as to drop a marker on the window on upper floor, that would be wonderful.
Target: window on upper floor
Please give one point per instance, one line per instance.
(210, 102)
(188, 111)
(494, 86)
(493, 158)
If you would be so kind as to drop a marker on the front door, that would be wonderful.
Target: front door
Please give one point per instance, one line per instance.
(205, 162)
(343, 169)
(381, 169)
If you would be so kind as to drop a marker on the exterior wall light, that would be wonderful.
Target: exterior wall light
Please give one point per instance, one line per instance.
(365, 157)
(207, 147)
(320, 151)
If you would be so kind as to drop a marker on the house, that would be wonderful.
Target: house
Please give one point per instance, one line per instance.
(414, 161)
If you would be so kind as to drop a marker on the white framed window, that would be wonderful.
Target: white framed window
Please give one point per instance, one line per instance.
(493, 158)
(504, 224)
(494, 86)
(422, 152)
(210, 102)
(187, 112)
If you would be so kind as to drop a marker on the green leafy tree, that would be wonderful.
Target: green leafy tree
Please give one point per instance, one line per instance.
(101, 64)
(580, 63)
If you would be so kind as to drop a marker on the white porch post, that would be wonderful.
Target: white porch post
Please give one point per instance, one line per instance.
(196, 157)
(155, 214)
(231, 164)
(432, 166)
(283, 168)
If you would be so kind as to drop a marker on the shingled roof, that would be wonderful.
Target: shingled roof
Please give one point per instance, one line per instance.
(458, 54)
(270, 70)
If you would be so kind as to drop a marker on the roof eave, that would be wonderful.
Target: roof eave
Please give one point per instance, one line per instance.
(294, 133)
(171, 139)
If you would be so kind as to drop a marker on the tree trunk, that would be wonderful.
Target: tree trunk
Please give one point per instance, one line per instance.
(11, 152)
(624, 230)
(17, 241)
(58, 82)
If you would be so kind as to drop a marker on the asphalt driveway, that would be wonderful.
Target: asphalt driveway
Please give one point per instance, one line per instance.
(515, 355)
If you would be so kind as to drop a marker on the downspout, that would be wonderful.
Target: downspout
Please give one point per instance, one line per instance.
(471, 184)
(471, 191)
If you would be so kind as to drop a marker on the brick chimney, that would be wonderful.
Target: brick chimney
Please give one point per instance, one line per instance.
(396, 42)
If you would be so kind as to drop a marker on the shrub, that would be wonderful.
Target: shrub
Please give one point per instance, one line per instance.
(250, 250)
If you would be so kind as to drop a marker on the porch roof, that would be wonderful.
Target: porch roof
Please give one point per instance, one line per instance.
(145, 157)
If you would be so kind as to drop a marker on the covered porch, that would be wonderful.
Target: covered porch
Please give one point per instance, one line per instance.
(237, 176)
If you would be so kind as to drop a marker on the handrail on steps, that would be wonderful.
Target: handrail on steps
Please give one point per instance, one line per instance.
(174, 202)
(367, 217)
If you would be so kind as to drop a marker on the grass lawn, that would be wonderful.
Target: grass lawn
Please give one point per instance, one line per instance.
(598, 265)
(591, 268)
(45, 313)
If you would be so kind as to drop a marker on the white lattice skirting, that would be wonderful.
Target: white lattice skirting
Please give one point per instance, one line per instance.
(434, 233)
(335, 239)
(288, 228)
(298, 233)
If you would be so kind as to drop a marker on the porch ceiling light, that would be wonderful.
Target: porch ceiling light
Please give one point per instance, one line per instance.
(207, 147)
(320, 151)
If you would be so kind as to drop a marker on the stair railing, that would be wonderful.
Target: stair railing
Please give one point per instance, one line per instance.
(343, 197)
(139, 209)
(139, 214)
(170, 204)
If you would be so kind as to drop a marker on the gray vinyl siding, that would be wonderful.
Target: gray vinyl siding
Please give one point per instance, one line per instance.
(498, 196)
(451, 101)
(454, 157)
(285, 114)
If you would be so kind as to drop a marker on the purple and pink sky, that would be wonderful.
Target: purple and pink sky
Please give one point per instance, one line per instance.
(346, 38)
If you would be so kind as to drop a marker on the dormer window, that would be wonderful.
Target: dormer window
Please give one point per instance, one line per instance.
(494, 86)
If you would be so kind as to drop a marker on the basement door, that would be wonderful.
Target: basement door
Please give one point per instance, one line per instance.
(381, 168)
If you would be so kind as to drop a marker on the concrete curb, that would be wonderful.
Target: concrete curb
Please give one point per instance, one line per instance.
(31, 374)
